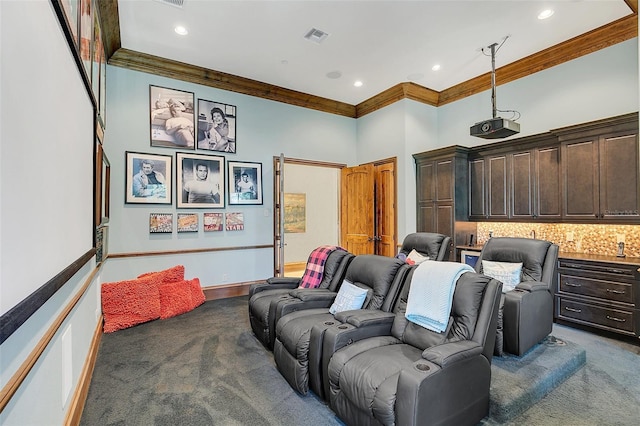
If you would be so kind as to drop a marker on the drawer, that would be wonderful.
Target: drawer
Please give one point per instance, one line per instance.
(614, 271)
(608, 290)
(612, 319)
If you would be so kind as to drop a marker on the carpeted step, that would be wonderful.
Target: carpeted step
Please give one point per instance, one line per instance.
(517, 383)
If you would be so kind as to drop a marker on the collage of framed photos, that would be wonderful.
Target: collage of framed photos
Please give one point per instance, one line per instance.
(204, 178)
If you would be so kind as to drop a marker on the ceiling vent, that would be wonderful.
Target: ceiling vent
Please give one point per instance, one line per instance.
(316, 35)
(174, 3)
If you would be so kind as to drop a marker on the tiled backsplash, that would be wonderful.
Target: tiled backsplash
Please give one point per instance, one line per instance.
(591, 239)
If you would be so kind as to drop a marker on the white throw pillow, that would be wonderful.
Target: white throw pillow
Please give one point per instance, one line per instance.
(416, 257)
(507, 272)
(349, 297)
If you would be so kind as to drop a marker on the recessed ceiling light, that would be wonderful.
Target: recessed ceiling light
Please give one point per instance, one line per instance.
(545, 14)
(358, 83)
(181, 30)
(436, 67)
(334, 74)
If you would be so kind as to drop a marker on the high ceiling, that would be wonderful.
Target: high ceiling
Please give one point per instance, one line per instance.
(381, 43)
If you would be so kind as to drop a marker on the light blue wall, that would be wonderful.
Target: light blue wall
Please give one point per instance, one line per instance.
(265, 129)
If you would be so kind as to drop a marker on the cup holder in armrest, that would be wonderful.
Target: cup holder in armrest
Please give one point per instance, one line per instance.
(423, 367)
(342, 327)
(329, 323)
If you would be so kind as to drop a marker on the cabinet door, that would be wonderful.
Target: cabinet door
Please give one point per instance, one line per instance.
(522, 178)
(580, 179)
(426, 181)
(619, 177)
(497, 188)
(477, 207)
(444, 180)
(548, 194)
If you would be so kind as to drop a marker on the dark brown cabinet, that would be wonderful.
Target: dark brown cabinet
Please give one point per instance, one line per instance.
(597, 293)
(441, 184)
(601, 172)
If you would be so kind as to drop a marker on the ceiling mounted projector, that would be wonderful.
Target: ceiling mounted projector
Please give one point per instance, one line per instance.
(496, 127)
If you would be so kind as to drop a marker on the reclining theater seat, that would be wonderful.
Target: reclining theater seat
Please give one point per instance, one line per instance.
(434, 246)
(264, 297)
(527, 309)
(380, 276)
(411, 375)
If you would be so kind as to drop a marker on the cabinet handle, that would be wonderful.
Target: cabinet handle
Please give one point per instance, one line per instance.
(572, 285)
(573, 309)
(615, 291)
(609, 317)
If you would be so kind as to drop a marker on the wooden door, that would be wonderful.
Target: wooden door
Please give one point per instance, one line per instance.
(521, 180)
(497, 187)
(619, 177)
(385, 200)
(357, 225)
(548, 198)
(580, 183)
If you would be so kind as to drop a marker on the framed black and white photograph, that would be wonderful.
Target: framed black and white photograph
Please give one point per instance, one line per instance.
(245, 182)
(172, 118)
(200, 181)
(216, 126)
(148, 178)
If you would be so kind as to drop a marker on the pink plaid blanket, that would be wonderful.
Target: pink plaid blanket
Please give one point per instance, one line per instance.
(315, 266)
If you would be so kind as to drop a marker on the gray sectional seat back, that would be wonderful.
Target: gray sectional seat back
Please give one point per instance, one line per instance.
(435, 246)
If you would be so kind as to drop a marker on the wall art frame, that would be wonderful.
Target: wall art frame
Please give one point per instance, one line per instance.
(216, 126)
(172, 115)
(188, 222)
(160, 223)
(148, 178)
(199, 181)
(245, 182)
(213, 222)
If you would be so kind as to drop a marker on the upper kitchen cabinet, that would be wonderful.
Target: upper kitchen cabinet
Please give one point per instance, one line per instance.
(601, 170)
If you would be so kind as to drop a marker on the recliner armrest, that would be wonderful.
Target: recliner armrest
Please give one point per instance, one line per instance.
(272, 284)
(532, 286)
(367, 318)
(312, 295)
(448, 353)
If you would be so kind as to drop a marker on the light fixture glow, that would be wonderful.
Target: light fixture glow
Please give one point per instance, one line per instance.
(181, 30)
(436, 67)
(547, 13)
(358, 83)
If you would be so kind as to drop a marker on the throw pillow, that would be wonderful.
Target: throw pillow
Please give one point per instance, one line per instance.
(416, 258)
(197, 295)
(170, 275)
(128, 303)
(349, 297)
(175, 299)
(506, 272)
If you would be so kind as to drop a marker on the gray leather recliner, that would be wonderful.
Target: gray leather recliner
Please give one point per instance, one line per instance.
(527, 311)
(264, 297)
(294, 340)
(409, 375)
(435, 246)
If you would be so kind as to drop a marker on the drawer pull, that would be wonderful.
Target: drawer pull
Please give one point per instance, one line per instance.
(572, 285)
(573, 309)
(609, 317)
(615, 291)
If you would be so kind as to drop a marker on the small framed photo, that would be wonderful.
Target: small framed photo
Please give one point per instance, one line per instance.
(213, 222)
(216, 126)
(245, 182)
(148, 178)
(187, 222)
(172, 118)
(200, 181)
(234, 221)
(161, 223)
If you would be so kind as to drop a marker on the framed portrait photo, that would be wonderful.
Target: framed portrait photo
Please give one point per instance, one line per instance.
(216, 126)
(200, 181)
(148, 178)
(245, 182)
(172, 118)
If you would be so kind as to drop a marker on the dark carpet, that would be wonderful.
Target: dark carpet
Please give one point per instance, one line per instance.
(206, 368)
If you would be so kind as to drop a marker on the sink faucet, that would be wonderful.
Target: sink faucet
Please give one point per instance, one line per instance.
(533, 234)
